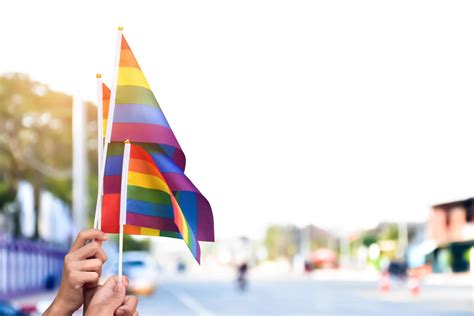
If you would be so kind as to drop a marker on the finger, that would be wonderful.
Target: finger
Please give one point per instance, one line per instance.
(78, 278)
(92, 249)
(88, 234)
(124, 279)
(91, 265)
(129, 307)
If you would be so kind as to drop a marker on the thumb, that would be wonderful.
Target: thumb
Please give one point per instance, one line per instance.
(119, 292)
(116, 290)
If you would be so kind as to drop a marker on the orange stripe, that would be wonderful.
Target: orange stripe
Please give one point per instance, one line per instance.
(132, 230)
(127, 59)
(142, 166)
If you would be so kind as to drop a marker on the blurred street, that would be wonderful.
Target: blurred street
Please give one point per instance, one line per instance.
(300, 296)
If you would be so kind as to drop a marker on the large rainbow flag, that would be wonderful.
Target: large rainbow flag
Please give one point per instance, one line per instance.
(136, 116)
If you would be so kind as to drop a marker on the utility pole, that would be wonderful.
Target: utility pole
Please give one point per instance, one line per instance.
(79, 166)
(402, 239)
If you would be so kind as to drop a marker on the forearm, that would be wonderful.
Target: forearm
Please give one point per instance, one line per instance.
(58, 308)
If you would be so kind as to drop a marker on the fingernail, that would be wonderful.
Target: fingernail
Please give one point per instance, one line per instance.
(105, 237)
(120, 312)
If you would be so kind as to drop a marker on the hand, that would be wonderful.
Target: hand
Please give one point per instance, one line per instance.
(82, 269)
(110, 300)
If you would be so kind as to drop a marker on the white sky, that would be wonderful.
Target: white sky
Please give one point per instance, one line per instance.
(336, 113)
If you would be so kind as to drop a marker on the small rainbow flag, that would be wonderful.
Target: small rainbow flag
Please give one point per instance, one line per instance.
(145, 192)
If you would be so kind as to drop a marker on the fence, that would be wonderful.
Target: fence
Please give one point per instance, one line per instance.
(28, 266)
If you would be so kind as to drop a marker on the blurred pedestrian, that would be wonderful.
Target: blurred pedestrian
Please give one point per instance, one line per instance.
(242, 270)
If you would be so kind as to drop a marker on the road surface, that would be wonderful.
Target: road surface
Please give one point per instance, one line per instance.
(304, 297)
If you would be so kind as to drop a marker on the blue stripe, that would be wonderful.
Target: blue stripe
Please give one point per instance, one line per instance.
(188, 203)
(113, 166)
(139, 113)
(169, 150)
(151, 209)
(165, 164)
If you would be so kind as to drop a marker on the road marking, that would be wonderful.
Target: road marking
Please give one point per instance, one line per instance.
(191, 303)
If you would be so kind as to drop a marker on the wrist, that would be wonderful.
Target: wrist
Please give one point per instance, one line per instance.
(59, 308)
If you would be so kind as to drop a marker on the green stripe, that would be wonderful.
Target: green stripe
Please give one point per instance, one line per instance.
(165, 233)
(115, 149)
(148, 195)
(135, 95)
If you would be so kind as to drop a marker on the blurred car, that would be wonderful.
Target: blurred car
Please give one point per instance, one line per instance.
(321, 259)
(140, 269)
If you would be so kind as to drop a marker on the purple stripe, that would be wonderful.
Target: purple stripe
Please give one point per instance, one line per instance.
(151, 222)
(139, 113)
(179, 182)
(112, 184)
(143, 133)
(205, 220)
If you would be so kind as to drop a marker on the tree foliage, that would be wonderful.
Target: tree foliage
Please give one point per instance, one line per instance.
(36, 138)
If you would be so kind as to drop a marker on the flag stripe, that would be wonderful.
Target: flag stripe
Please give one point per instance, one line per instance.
(151, 222)
(148, 195)
(165, 164)
(139, 113)
(179, 182)
(113, 166)
(150, 209)
(135, 95)
(130, 76)
(127, 59)
(143, 133)
(147, 181)
(142, 166)
(112, 184)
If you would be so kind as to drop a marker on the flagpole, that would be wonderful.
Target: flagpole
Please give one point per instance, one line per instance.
(123, 202)
(100, 147)
(110, 117)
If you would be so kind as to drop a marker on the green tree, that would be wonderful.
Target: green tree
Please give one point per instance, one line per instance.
(36, 139)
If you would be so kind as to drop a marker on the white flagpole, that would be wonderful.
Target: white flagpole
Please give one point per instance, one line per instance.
(110, 116)
(123, 203)
(100, 147)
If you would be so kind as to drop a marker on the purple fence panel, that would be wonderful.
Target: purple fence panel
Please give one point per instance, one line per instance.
(28, 267)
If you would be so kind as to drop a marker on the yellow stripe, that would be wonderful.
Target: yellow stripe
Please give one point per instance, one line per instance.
(129, 76)
(149, 231)
(104, 127)
(185, 225)
(147, 181)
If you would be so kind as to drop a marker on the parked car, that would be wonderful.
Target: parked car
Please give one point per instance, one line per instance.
(141, 271)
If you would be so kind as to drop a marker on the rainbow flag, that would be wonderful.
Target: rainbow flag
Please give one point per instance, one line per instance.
(105, 107)
(111, 201)
(147, 193)
(138, 117)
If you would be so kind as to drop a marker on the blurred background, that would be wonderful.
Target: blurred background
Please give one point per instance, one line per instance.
(332, 139)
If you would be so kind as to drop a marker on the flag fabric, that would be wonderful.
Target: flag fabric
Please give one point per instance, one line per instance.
(111, 199)
(137, 115)
(150, 202)
(139, 118)
(105, 107)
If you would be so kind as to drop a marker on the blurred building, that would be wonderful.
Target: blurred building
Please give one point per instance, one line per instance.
(451, 228)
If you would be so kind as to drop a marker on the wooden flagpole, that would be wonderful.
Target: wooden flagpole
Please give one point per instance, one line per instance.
(123, 203)
(100, 147)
